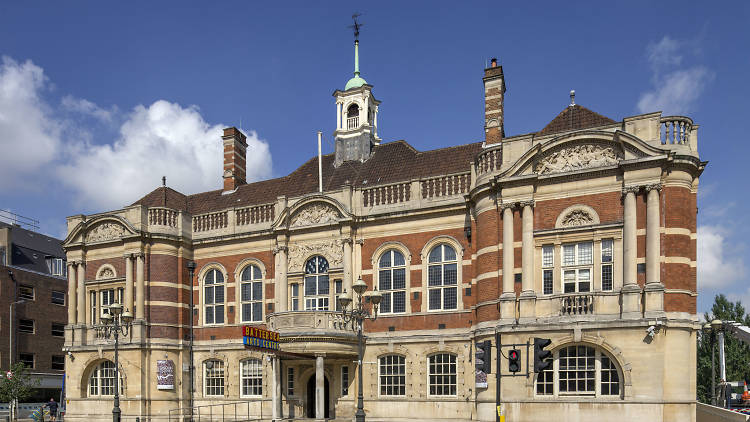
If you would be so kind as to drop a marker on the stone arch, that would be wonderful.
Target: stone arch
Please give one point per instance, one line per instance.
(424, 254)
(249, 261)
(375, 260)
(392, 244)
(106, 272)
(105, 228)
(623, 366)
(91, 364)
(576, 216)
(443, 238)
(201, 291)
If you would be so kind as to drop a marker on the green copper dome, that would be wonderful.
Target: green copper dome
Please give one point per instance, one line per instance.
(354, 82)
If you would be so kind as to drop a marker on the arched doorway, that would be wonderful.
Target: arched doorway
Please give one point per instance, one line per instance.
(310, 402)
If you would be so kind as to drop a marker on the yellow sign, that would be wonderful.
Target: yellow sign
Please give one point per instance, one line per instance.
(501, 412)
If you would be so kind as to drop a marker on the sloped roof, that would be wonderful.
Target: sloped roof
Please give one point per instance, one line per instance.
(575, 117)
(29, 249)
(390, 162)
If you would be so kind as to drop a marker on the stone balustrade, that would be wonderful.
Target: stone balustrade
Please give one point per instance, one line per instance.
(489, 160)
(210, 221)
(577, 304)
(386, 194)
(254, 215)
(675, 130)
(317, 323)
(159, 216)
(454, 184)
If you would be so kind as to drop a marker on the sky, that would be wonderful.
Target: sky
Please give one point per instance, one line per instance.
(100, 99)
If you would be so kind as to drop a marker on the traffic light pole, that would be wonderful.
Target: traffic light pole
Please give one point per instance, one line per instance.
(497, 378)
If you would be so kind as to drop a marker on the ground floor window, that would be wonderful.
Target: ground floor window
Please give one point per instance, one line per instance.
(392, 375)
(102, 380)
(213, 378)
(252, 377)
(442, 374)
(579, 370)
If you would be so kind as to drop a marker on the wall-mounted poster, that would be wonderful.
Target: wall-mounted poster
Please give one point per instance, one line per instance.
(164, 375)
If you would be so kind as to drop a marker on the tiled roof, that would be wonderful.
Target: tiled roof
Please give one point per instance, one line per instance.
(573, 118)
(29, 249)
(390, 162)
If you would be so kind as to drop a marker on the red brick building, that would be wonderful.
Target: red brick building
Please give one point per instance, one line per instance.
(583, 233)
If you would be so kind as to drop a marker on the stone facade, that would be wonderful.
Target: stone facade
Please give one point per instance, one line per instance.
(584, 234)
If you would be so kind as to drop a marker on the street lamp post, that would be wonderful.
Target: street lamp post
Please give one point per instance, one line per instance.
(359, 314)
(114, 323)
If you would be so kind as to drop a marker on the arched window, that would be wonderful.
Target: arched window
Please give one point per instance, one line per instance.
(392, 379)
(102, 380)
(352, 117)
(251, 294)
(251, 377)
(213, 378)
(442, 374)
(442, 277)
(392, 282)
(213, 298)
(317, 287)
(579, 370)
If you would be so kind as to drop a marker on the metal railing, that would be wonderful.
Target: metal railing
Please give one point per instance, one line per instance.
(225, 412)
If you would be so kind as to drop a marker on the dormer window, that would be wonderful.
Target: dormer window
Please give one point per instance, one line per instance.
(352, 117)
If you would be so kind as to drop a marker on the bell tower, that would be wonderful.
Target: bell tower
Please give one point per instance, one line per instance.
(356, 114)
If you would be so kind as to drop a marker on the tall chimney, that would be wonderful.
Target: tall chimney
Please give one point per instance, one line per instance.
(494, 92)
(235, 148)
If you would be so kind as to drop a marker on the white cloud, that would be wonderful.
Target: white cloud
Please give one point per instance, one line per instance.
(719, 266)
(675, 90)
(29, 134)
(42, 144)
(86, 107)
(161, 139)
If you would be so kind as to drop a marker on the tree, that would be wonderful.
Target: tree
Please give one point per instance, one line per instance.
(16, 384)
(736, 353)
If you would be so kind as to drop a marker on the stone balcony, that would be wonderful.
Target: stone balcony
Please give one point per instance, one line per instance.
(312, 332)
(579, 306)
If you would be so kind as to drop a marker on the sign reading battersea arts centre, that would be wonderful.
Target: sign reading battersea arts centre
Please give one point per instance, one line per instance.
(257, 337)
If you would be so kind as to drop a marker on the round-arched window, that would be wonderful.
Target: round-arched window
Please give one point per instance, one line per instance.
(102, 380)
(352, 117)
(579, 370)
(392, 282)
(251, 294)
(317, 287)
(442, 278)
(213, 297)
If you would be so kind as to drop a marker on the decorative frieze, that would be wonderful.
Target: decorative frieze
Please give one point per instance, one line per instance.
(105, 231)
(331, 250)
(314, 214)
(578, 157)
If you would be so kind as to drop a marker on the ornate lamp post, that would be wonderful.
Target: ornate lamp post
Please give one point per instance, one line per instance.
(114, 323)
(359, 314)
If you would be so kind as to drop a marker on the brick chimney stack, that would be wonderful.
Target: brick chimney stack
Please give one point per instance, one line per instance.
(494, 92)
(235, 148)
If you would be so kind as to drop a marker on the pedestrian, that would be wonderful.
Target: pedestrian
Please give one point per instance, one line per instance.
(52, 405)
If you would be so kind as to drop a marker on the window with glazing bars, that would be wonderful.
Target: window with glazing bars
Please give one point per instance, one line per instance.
(607, 254)
(442, 278)
(392, 380)
(317, 287)
(102, 380)
(392, 282)
(442, 374)
(213, 298)
(576, 267)
(252, 294)
(252, 377)
(213, 379)
(548, 263)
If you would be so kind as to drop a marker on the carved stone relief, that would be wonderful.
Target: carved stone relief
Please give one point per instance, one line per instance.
(332, 251)
(577, 157)
(105, 231)
(105, 273)
(577, 218)
(314, 214)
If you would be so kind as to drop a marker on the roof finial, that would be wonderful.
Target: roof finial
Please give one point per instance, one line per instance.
(164, 181)
(356, 27)
(572, 98)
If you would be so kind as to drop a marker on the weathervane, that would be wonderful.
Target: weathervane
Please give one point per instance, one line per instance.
(356, 26)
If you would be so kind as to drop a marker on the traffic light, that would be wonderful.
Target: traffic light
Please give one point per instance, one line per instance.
(514, 360)
(541, 356)
(483, 356)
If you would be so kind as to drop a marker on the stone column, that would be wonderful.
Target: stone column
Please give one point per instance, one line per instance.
(654, 289)
(528, 296)
(347, 265)
(276, 389)
(630, 290)
(338, 116)
(72, 295)
(140, 287)
(508, 298)
(319, 388)
(282, 288)
(128, 282)
(81, 291)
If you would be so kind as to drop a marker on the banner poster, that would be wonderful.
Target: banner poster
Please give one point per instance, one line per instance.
(164, 375)
(481, 379)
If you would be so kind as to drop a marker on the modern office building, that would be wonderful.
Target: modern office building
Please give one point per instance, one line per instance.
(583, 232)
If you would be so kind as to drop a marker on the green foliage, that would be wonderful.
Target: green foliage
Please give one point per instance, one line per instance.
(737, 353)
(18, 386)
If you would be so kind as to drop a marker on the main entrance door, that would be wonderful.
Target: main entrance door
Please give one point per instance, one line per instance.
(310, 404)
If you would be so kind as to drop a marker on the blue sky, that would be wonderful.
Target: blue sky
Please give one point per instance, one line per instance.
(98, 100)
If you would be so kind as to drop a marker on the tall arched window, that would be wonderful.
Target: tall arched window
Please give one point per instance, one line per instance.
(213, 297)
(317, 287)
(102, 380)
(442, 277)
(352, 117)
(251, 377)
(392, 282)
(251, 286)
(579, 370)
